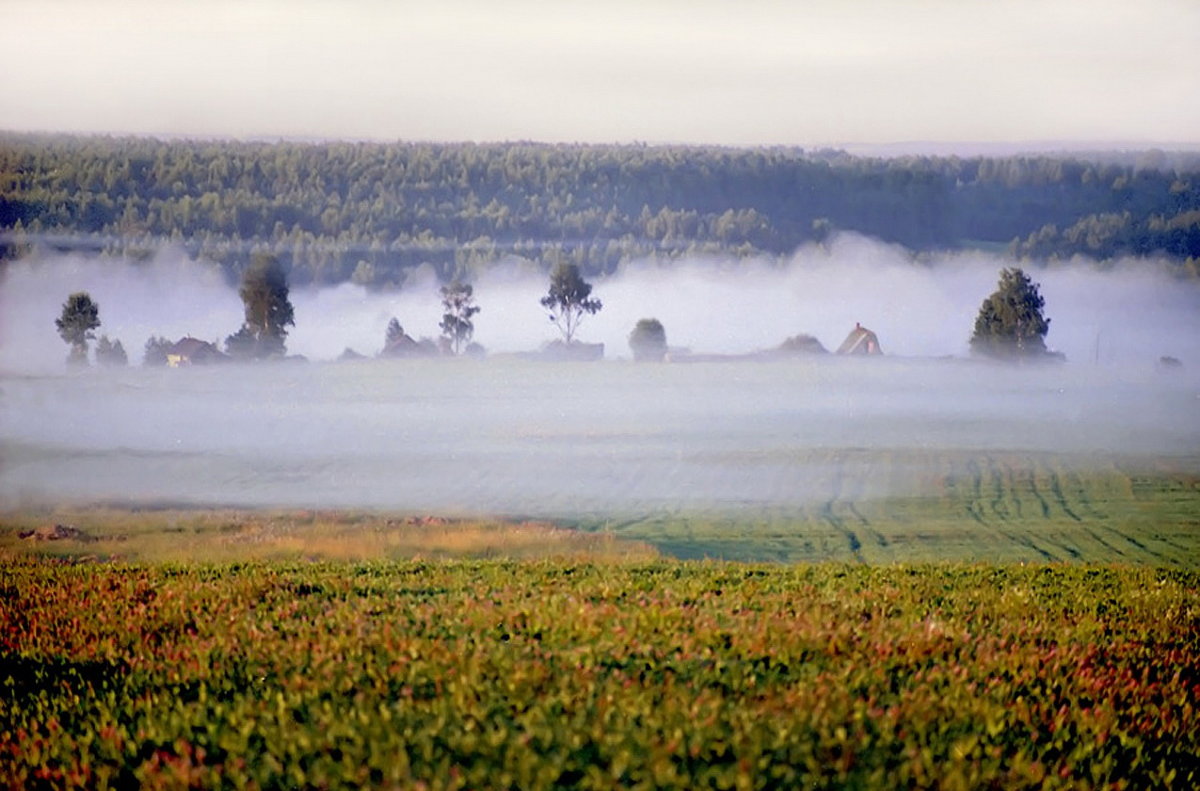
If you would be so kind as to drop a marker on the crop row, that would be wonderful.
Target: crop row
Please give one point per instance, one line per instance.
(552, 675)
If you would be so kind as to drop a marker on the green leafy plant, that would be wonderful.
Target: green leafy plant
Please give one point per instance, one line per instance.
(551, 674)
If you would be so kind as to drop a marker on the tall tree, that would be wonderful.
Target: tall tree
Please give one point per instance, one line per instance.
(569, 299)
(1010, 324)
(268, 311)
(458, 300)
(80, 315)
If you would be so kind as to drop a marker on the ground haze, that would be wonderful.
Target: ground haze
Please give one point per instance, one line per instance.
(821, 458)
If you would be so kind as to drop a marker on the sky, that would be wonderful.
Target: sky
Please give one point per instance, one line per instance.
(826, 72)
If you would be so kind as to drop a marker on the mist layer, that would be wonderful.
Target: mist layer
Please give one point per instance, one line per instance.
(1131, 313)
(526, 438)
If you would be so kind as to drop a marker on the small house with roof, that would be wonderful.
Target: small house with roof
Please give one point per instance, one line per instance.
(860, 341)
(193, 351)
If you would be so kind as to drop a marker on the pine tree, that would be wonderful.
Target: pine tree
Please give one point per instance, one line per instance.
(1010, 324)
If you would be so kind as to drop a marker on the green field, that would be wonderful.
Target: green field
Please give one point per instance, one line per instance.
(975, 507)
(558, 674)
(170, 647)
(995, 507)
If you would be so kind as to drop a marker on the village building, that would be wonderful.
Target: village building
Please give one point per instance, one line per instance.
(860, 341)
(193, 351)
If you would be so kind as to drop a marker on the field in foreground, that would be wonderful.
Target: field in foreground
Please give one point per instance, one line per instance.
(553, 673)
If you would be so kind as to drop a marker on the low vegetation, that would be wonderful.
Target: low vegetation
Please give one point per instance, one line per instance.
(223, 535)
(555, 674)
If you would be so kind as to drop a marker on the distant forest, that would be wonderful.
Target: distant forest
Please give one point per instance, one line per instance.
(373, 212)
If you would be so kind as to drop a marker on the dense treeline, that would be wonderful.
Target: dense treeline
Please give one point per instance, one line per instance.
(371, 212)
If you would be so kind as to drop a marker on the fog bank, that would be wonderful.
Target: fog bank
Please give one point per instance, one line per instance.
(522, 438)
(1129, 314)
(508, 436)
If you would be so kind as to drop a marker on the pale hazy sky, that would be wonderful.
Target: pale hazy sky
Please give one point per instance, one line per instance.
(704, 71)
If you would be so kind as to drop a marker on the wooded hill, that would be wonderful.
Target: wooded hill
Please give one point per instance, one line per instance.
(371, 212)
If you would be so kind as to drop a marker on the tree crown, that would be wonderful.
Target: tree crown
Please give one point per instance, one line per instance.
(80, 315)
(458, 300)
(268, 311)
(569, 299)
(1010, 323)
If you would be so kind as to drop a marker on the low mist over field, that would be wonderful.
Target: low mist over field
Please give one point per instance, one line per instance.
(522, 437)
(562, 440)
(1131, 313)
(514, 436)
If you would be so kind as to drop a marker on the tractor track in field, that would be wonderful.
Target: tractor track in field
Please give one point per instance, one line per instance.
(1060, 498)
(828, 513)
(996, 489)
(1031, 482)
(1172, 544)
(828, 516)
(1013, 488)
(1158, 556)
(994, 501)
(850, 503)
(1095, 536)
(1028, 543)
(1080, 495)
(975, 495)
(1010, 505)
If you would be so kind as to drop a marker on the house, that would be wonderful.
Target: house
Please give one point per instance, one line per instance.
(193, 351)
(860, 341)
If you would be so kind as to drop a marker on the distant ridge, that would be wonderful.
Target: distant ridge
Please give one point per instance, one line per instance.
(382, 215)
